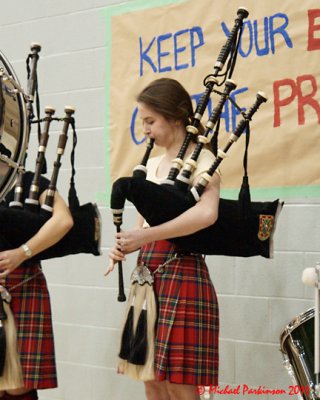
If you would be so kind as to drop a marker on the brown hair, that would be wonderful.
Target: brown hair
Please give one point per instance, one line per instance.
(169, 98)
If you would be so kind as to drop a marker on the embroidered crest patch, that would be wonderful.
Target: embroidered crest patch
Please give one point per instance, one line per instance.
(265, 226)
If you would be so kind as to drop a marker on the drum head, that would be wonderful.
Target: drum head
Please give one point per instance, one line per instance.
(13, 127)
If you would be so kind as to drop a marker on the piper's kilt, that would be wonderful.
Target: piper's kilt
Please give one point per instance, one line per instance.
(31, 308)
(187, 333)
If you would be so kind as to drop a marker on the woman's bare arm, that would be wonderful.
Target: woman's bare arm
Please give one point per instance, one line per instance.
(49, 234)
(203, 214)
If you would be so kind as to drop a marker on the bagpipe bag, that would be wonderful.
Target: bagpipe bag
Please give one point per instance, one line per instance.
(18, 225)
(244, 228)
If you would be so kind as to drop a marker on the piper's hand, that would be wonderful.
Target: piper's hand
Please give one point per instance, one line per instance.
(10, 260)
(110, 267)
(129, 241)
(115, 255)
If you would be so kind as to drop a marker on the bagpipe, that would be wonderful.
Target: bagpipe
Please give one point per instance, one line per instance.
(23, 216)
(244, 228)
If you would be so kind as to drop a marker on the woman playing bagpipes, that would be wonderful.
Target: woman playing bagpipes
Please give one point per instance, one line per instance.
(30, 305)
(185, 354)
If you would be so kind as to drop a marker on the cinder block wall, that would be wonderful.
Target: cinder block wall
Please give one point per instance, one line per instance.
(257, 297)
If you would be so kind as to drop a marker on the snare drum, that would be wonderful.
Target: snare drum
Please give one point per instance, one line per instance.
(297, 347)
(13, 126)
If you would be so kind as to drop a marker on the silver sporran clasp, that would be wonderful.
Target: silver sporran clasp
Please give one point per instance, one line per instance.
(141, 275)
(5, 295)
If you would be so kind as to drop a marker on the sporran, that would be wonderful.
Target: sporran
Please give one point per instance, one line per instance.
(11, 377)
(138, 335)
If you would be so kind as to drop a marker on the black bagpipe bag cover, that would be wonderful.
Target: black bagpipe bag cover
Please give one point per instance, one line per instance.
(240, 230)
(18, 225)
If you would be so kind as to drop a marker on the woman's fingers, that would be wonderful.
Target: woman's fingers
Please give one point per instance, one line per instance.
(115, 256)
(110, 267)
(121, 243)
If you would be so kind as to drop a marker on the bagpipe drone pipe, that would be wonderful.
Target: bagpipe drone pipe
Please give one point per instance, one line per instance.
(244, 228)
(23, 216)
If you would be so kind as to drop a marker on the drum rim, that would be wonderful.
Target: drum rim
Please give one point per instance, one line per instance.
(23, 139)
(294, 323)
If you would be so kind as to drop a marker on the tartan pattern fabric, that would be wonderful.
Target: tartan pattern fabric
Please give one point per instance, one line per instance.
(187, 333)
(31, 308)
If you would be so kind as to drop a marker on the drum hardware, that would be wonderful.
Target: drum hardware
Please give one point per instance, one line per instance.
(6, 160)
(299, 343)
(13, 126)
(311, 277)
(302, 356)
(317, 330)
(297, 348)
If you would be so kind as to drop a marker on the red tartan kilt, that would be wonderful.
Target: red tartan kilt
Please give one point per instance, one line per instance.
(31, 308)
(187, 347)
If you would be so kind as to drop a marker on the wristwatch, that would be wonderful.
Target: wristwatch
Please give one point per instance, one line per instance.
(27, 250)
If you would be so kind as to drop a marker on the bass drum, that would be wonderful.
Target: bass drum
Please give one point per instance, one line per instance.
(297, 347)
(13, 126)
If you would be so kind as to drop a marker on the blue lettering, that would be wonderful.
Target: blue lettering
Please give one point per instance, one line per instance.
(250, 35)
(132, 128)
(161, 54)
(241, 52)
(179, 49)
(265, 50)
(281, 30)
(196, 40)
(144, 56)
(196, 30)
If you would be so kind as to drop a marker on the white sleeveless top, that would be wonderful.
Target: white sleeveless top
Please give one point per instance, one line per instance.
(205, 160)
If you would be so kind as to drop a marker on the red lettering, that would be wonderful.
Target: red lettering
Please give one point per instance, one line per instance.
(307, 99)
(313, 42)
(303, 90)
(282, 102)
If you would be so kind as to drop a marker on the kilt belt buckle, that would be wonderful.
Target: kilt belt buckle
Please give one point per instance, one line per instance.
(5, 294)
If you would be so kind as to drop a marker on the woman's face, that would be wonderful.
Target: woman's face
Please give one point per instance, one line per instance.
(156, 126)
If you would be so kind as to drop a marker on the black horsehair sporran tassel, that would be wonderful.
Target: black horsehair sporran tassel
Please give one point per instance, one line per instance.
(134, 343)
(138, 353)
(136, 357)
(127, 335)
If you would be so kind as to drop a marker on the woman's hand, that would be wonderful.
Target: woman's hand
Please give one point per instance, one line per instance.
(129, 241)
(126, 242)
(115, 255)
(200, 216)
(10, 260)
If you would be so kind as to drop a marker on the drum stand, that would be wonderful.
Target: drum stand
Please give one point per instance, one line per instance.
(316, 331)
